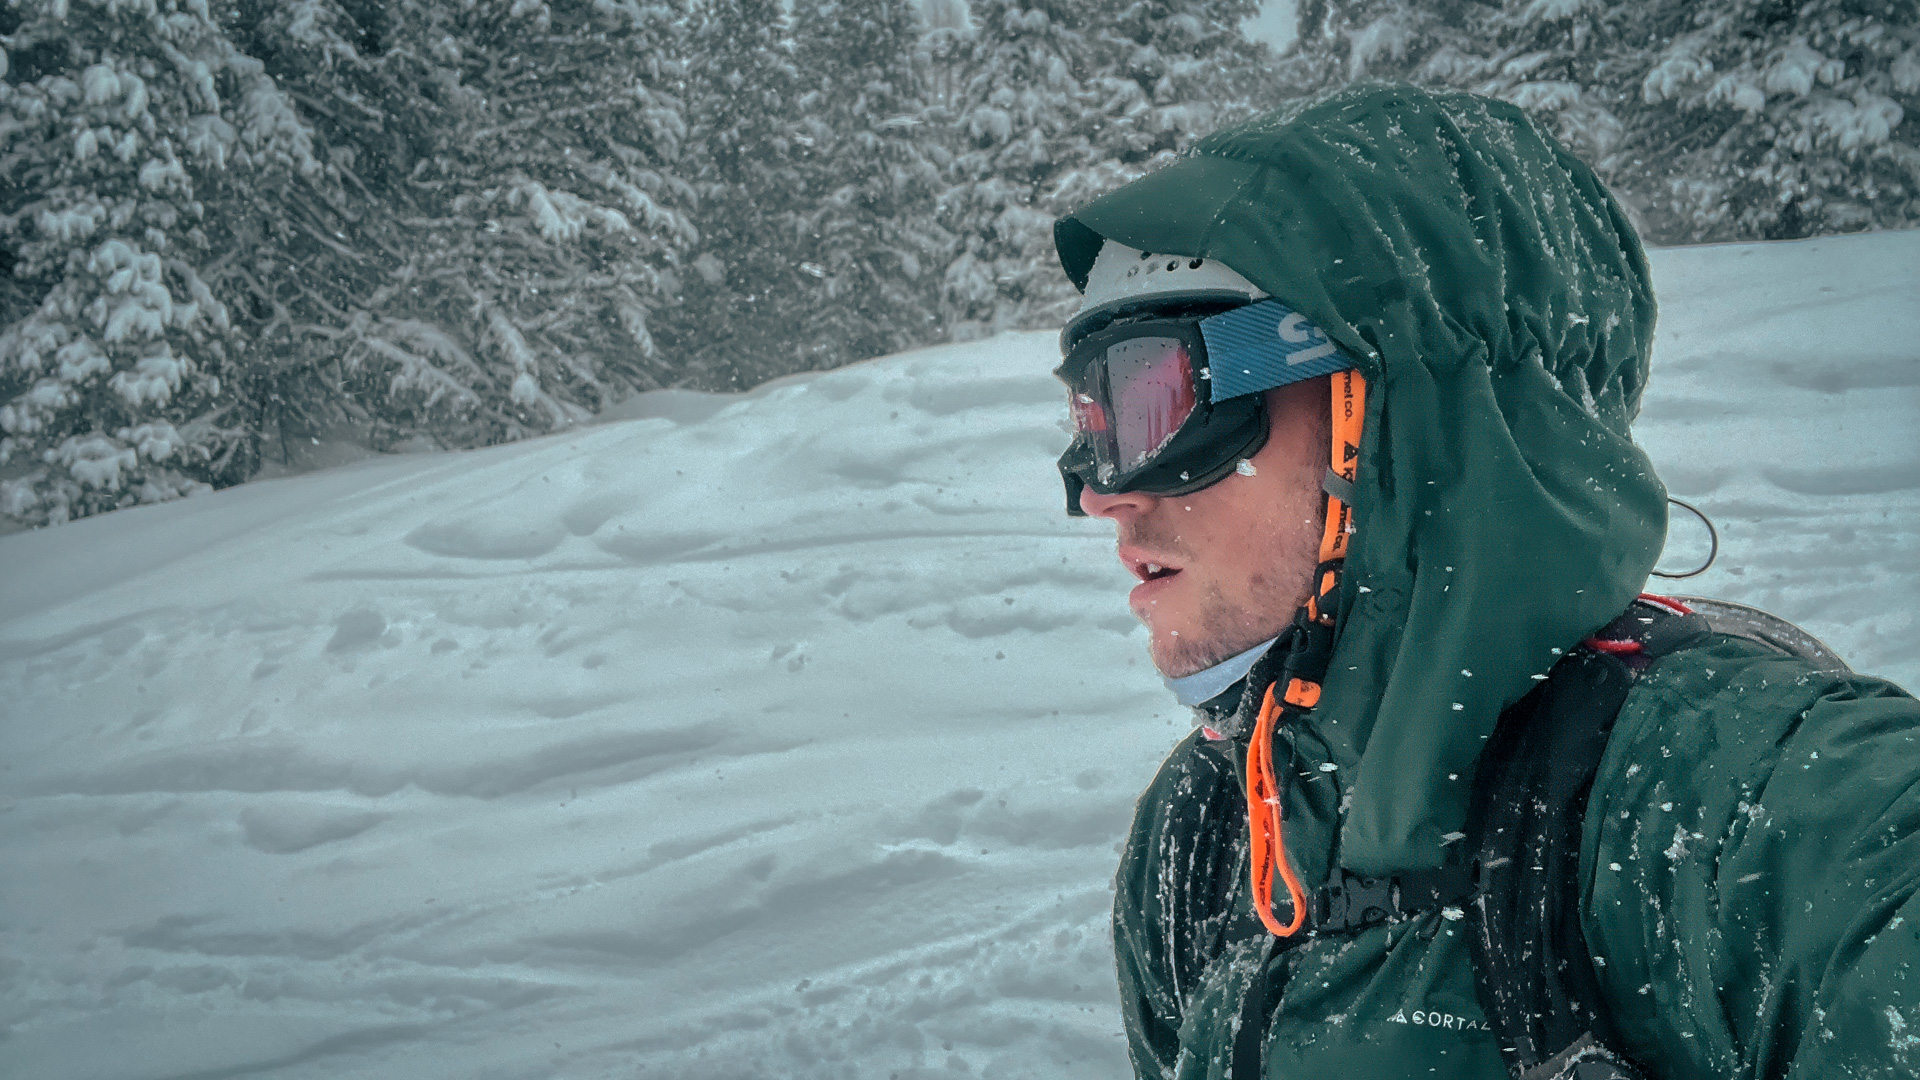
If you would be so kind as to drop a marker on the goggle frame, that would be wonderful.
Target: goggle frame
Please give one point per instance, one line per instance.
(1209, 443)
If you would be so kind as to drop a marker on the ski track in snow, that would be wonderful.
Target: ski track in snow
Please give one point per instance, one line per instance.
(791, 734)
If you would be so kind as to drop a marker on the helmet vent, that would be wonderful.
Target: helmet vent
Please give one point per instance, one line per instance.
(1123, 280)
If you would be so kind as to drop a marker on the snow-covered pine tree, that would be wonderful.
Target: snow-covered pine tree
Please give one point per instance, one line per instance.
(1715, 120)
(1773, 120)
(1190, 67)
(1020, 121)
(869, 239)
(743, 299)
(135, 135)
(515, 216)
(301, 267)
(552, 220)
(1064, 99)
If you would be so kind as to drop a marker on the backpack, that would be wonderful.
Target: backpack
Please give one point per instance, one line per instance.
(1520, 887)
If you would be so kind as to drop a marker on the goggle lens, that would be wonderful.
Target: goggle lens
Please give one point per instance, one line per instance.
(1088, 417)
(1134, 400)
(1150, 384)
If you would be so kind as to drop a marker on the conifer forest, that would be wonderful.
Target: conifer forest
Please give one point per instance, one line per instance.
(230, 230)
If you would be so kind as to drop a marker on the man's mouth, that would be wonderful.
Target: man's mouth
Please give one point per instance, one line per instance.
(1147, 569)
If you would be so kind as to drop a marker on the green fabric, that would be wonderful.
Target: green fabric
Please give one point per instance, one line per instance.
(1752, 875)
(1752, 859)
(1498, 302)
(1394, 1001)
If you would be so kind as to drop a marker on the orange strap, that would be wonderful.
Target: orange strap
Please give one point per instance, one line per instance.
(1264, 831)
(1349, 414)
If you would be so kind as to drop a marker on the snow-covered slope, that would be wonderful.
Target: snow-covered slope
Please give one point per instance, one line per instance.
(789, 735)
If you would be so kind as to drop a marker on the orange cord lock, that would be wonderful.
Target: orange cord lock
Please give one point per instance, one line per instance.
(1303, 693)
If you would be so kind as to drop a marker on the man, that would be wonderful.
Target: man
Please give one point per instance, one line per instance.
(1353, 383)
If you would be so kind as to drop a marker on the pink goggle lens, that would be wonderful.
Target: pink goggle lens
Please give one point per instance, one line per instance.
(1150, 385)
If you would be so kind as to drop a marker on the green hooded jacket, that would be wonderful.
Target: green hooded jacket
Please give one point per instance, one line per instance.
(1752, 845)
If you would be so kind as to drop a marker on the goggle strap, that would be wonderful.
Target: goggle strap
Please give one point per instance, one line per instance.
(1265, 344)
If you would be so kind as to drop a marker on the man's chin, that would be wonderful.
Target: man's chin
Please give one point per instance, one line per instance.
(1176, 657)
(1177, 654)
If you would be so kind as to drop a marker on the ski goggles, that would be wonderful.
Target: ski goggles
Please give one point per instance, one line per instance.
(1171, 404)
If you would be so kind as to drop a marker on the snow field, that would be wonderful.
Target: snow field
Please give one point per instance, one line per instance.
(785, 735)
(1785, 401)
(679, 734)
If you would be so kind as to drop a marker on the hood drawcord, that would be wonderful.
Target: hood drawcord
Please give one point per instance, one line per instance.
(1311, 648)
(1269, 850)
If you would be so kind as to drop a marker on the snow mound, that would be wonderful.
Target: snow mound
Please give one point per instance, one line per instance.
(785, 734)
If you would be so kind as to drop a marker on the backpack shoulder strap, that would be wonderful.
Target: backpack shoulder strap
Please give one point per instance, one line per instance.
(1531, 965)
(1739, 620)
(1536, 978)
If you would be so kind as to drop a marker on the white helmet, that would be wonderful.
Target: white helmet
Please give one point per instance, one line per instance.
(1124, 278)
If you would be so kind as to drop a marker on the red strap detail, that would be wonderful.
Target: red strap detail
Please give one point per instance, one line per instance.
(1622, 647)
(1667, 602)
(1615, 647)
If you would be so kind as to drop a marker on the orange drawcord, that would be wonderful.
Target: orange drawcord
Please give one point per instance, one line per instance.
(1269, 849)
(1268, 846)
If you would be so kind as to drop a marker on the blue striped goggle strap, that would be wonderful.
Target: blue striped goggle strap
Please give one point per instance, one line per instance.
(1262, 345)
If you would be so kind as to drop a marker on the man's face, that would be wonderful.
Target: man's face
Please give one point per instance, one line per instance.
(1222, 569)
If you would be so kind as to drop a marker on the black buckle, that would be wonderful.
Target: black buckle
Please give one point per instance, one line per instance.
(1311, 649)
(1349, 902)
(1320, 572)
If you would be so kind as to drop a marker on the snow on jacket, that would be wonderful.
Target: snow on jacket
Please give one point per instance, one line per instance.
(1752, 846)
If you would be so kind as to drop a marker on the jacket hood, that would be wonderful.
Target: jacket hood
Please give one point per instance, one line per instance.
(1498, 302)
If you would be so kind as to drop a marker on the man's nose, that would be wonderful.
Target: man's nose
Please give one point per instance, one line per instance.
(1094, 504)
